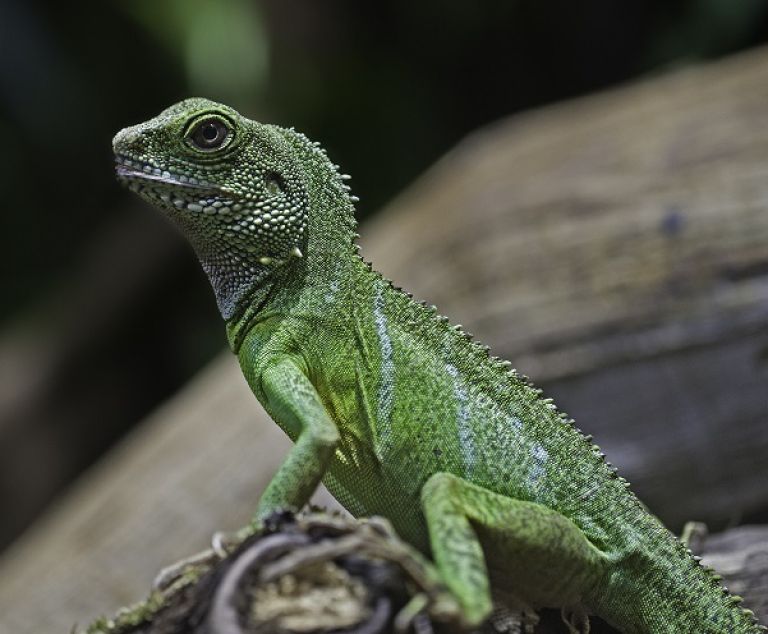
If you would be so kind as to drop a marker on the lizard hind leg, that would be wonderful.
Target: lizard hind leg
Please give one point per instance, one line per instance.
(532, 551)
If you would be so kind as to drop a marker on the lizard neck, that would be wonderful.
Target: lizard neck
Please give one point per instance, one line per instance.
(329, 253)
(235, 277)
(331, 227)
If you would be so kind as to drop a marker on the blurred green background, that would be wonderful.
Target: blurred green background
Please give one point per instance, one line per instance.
(104, 311)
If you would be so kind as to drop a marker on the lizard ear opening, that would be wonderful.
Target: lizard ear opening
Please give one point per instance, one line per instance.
(275, 183)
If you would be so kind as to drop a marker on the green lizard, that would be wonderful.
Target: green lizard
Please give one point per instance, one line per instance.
(396, 410)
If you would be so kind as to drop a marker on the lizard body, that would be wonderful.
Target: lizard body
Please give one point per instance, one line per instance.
(400, 413)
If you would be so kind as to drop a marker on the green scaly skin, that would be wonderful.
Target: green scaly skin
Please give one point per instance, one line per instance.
(397, 411)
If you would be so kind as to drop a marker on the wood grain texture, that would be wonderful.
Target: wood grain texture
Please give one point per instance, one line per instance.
(614, 248)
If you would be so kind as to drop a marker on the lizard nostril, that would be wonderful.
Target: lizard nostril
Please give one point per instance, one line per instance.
(127, 139)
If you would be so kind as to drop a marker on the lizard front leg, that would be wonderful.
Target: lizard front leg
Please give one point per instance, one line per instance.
(296, 407)
(543, 557)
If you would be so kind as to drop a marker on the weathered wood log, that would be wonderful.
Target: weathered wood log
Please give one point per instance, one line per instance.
(614, 248)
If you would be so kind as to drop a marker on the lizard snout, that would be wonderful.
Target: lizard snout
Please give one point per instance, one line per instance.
(128, 141)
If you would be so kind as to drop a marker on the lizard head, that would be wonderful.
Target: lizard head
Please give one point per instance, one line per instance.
(235, 187)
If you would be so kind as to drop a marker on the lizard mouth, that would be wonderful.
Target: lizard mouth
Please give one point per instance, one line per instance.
(130, 170)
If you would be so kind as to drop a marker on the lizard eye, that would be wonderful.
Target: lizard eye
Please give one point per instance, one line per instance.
(209, 134)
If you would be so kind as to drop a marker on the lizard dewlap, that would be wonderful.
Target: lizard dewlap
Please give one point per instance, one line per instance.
(399, 413)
